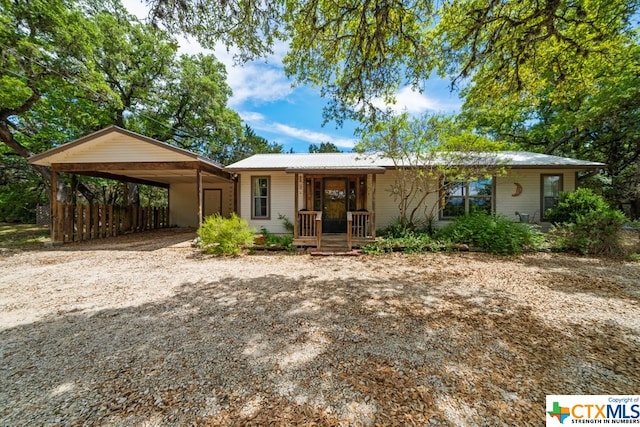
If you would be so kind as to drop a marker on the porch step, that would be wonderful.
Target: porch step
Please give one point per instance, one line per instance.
(335, 252)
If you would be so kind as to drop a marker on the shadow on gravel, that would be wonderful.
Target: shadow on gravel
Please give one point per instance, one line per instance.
(274, 350)
(600, 277)
(145, 241)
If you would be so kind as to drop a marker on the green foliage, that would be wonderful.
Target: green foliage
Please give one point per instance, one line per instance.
(225, 236)
(324, 147)
(493, 233)
(424, 149)
(406, 241)
(593, 229)
(576, 204)
(77, 66)
(21, 190)
(286, 223)
(279, 240)
(363, 52)
(247, 146)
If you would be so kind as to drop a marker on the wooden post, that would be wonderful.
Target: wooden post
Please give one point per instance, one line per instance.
(349, 230)
(118, 217)
(373, 206)
(67, 214)
(199, 191)
(318, 229)
(110, 230)
(56, 219)
(80, 223)
(103, 220)
(296, 209)
(86, 232)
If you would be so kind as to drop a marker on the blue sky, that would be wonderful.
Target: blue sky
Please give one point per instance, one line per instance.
(266, 101)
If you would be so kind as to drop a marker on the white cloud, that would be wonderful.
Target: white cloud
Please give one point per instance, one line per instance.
(258, 122)
(251, 116)
(415, 102)
(313, 136)
(257, 81)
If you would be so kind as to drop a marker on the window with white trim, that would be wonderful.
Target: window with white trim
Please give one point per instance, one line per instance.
(260, 194)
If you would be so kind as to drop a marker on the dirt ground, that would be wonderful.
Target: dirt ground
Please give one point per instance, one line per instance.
(145, 330)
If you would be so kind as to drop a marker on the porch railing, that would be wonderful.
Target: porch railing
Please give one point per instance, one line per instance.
(358, 226)
(309, 226)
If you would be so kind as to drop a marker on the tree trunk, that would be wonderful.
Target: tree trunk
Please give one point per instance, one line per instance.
(7, 137)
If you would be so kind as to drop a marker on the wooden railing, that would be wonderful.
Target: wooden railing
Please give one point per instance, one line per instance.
(358, 226)
(309, 226)
(75, 223)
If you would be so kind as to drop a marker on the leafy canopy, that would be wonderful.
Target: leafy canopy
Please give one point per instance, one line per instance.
(359, 51)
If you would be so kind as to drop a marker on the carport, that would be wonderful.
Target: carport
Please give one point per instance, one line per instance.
(197, 186)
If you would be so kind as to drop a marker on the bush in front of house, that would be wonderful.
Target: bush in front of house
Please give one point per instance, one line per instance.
(493, 233)
(407, 242)
(575, 205)
(225, 236)
(584, 222)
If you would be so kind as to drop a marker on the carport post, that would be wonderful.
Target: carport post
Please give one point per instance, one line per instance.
(57, 235)
(199, 191)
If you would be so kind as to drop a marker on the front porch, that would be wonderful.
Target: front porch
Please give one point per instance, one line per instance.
(334, 211)
(308, 231)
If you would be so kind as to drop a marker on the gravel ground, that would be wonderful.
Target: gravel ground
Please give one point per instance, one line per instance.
(144, 330)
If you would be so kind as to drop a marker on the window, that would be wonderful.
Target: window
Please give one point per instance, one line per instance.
(551, 189)
(260, 197)
(459, 198)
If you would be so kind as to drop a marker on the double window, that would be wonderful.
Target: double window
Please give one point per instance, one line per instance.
(551, 189)
(260, 192)
(465, 197)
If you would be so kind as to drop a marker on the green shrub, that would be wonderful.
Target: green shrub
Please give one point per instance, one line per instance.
(271, 239)
(576, 204)
(225, 236)
(595, 233)
(398, 229)
(409, 242)
(493, 233)
(584, 222)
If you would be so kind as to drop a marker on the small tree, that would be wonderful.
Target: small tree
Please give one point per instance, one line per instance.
(430, 154)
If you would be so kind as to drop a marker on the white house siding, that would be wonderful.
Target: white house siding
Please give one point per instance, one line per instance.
(387, 210)
(119, 148)
(282, 199)
(528, 201)
(183, 202)
(505, 203)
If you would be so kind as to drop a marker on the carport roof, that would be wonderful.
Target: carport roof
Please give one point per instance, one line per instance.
(121, 154)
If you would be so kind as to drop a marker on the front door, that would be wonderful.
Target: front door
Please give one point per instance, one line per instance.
(334, 205)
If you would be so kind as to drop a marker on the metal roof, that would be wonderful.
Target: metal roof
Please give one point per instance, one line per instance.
(318, 161)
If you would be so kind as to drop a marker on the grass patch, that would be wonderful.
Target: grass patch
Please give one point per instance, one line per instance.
(22, 235)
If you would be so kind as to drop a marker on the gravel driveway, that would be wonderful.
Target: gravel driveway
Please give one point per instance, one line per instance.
(145, 330)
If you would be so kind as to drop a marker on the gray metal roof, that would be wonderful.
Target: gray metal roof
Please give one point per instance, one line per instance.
(318, 161)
